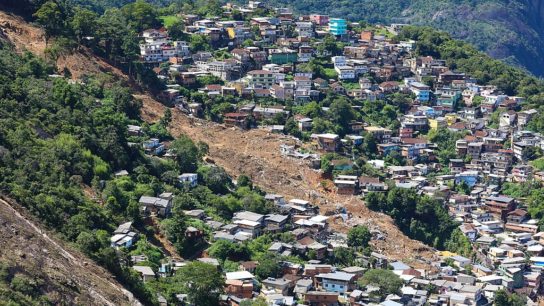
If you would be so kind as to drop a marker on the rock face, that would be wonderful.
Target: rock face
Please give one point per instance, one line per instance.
(59, 273)
(509, 30)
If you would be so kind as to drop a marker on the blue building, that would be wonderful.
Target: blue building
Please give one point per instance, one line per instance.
(387, 148)
(338, 26)
(469, 177)
(421, 91)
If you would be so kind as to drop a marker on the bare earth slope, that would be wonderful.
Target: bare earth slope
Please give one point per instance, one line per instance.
(254, 153)
(69, 277)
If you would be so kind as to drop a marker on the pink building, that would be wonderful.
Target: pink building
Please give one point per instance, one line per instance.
(320, 20)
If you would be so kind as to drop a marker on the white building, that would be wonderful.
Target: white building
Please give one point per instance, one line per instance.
(345, 72)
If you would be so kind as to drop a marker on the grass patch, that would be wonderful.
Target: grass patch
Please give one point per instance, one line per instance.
(169, 20)
(330, 73)
(351, 85)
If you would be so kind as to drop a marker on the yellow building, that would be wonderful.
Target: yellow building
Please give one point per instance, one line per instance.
(231, 32)
(437, 123)
(451, 118)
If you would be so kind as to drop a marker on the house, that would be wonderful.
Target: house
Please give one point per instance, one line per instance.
(189, 179)
(460, 261)
(304, 29)
(421, 91)
(327, 142)
(304, 123)
(311, 269)
(321, 298)
(247, 215)
(156, 205)
(468, 177)
(345, 72)
(240, 275)
(239, 288)
(516, 216)
(302, 286)
(389, 86)
(153, 146)
(248, 266)
(339, 282)
(280, 285)
(146, 273)
(337, 26)
(275, 223)
(319, 20)
(469, 230)
(261, 79)
(282, 56)
(499, 205)
(248, 228)
(134, 130)
(507, 119)
(123, 236)
(236, 119)
(346, 184)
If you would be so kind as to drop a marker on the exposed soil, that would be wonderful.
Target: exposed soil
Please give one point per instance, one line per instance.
(254, 153)
(69, 277)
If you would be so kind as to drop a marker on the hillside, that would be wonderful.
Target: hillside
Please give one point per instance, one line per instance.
(509, 30)
(256, 153)
(49, 269)
(155, 179)
(266, 167)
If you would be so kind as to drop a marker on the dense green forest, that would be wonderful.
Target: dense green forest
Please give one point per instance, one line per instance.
(56, 138)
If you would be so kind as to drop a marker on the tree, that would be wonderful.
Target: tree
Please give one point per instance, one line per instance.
(24, 284)
(531, 153)
(186, 153)
(388, 281)
(359, 236)
(216, 179)
(369, 147)
(88, 243)
(199, 42)
(202, 282)
(343, 256)
(176, 30)
(224, 249)
(51, 17)
(84, 23)
(268, 267)
(141, 15)
(459, 243)
(329, 44)
(211, 8)
(260, 301)
(174, 228)
(341, 114)
(376, 201)
(244, 181)
(463, 188)
(502, 298)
